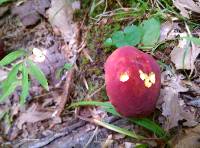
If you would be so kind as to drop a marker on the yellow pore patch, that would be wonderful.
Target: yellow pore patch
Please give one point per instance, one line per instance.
(149, 80)
(124, 77)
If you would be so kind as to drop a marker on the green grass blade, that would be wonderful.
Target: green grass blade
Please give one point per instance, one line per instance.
(12, 57)
(118, 129)
(67, 66)
(141, 146)
(195, 40)
(25, 85)
(34, 70)
(89, 103)
(10, 90)
(150, 125)
(144, 122)
(12, 77)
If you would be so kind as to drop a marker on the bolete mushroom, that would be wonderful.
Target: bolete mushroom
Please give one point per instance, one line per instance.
(132, 80)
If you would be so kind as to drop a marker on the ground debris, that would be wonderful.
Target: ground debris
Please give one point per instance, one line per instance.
(195, 102)
(185, 54)
(186, 7)
(32, 115)
(30, 11)
(172, 106)
(187, 139)
(169, 30)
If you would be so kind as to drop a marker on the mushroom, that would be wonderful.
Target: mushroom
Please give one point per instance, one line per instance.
(132, 80)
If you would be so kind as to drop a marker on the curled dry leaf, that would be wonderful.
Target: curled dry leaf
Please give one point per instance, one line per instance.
(190, 139)
(186, 6)
(169, 30)
(184, 55)
(172, 106)
(32, 115)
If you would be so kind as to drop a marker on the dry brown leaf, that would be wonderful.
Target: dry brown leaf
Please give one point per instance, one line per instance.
(60, 17)
(172, 106)
(184, 55)
(32, 115)
(31, 11)
(186, 6)
(108, 142)
(188, 140)
(168, 30)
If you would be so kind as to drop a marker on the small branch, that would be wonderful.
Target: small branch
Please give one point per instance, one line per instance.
(65, 95)
(92, 137)
(45, 141)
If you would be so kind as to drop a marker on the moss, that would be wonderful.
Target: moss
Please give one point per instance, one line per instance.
(95, 71)
(84, 61)
(98, 34)
(91, 87)
(103, 94)
(78, 15)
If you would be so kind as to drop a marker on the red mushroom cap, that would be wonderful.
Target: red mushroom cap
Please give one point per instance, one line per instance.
(132, 81)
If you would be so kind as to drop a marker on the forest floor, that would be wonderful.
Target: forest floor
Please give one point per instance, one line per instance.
(70, 42)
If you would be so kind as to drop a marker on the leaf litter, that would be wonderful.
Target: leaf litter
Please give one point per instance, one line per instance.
(30, 11)
(49, 53)
(33, 115)
(184, 55)
(186, 7)
(170, 103)
(188, 138)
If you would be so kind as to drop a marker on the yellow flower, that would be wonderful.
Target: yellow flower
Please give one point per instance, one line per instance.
(149, 80)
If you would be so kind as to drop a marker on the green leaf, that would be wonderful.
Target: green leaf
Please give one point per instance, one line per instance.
(4, 1)
(195, 40)
(150, 125)
(25, 85)
(37, 74)
(90, 103)
(118, 129)
(58, 73)
(10, 90)
(141, 146)
(118, 39)
(12, 57)
(144, 122)
(2, 114)
(151, 32)
(133, 35)
(108, 42)
(67, 66)
(12, 77)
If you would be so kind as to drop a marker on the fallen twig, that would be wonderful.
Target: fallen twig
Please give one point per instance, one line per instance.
(65, 95)
(45, 141)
